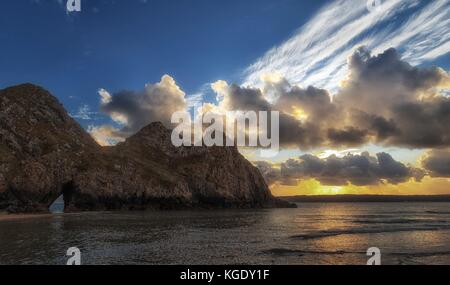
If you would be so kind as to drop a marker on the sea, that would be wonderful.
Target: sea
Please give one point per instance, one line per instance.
(312, 234)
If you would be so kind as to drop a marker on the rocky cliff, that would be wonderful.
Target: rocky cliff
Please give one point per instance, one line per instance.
(44, 153)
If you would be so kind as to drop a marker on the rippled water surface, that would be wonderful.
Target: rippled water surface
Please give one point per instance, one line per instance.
(328, 233)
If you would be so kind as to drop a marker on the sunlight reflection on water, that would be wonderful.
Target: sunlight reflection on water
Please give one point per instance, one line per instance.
(333, 233)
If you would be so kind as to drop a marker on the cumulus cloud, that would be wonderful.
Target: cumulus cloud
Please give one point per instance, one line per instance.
(271, 173)
(237, 98)
(136, 109)
(106, 135)
(292, 131)
(376, 83)
(396, 103)
(383, 100)
(359, 170)
(437, 162)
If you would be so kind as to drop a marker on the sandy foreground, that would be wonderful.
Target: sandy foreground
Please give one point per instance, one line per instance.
(12, 217)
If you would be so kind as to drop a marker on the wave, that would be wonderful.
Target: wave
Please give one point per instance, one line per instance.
(437, 212)
(285, 251)
(355, 231)
(293, 252)
(423, 254)
(399, 221)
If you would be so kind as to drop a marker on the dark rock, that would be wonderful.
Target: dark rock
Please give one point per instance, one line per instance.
(45, 153)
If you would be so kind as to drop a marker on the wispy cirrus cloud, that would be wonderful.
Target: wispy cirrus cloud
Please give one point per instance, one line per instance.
(84, 112)
(317, 53)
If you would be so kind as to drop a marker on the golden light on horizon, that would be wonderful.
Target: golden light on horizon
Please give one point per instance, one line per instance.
(428, 186)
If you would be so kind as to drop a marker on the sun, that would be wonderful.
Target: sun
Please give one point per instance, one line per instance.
(329, 190)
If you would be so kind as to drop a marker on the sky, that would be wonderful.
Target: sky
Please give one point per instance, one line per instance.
(374, 121)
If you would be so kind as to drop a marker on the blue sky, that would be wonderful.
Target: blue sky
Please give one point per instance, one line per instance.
(125, 44)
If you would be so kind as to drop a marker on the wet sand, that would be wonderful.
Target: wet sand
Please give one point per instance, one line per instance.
(4, 216)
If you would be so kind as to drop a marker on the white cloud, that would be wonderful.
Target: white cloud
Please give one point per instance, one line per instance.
(317, 54)
(105, 96)
(136, 109)
(106, 135)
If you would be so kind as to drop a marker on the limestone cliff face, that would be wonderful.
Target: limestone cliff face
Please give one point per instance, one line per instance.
(44, 153)
(41, 148)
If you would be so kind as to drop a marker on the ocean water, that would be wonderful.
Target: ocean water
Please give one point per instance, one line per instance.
(314, 233)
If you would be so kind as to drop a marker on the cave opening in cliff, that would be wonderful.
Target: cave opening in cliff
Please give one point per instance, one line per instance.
(61, 203)
(57, 207)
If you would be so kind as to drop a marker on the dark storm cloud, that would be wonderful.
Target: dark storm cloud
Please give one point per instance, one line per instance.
(270, 173)
(388, 68)
(246, 99)
(315, 103)
(293, 133)
(157, 102)
(437, 163)
(378, 127)
(349, 136)
(359, 170)
(423, 124)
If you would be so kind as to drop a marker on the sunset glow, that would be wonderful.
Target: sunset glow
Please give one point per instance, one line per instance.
(429, 186)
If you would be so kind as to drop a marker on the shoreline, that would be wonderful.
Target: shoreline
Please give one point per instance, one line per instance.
(5, 216)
